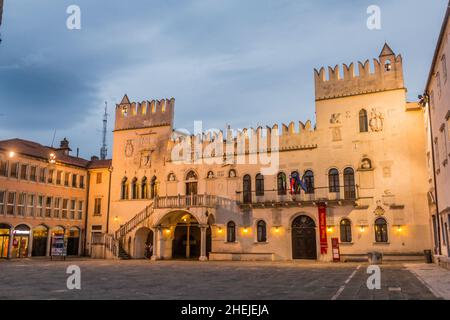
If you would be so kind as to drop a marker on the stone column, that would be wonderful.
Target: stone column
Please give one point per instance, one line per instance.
(156, 232)
(30, 243)
(10, 243)
(49, 240)
(203, 256)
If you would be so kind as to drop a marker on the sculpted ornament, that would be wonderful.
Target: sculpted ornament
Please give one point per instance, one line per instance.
(376, 121)
(129, 149)
(335, 118)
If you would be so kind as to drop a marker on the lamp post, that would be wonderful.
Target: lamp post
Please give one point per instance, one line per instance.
(425, 103)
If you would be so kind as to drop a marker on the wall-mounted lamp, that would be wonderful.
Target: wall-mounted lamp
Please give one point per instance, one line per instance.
(330, 229)
(12, 154)
(52, 158)
(116, 218)
(168, 231)
(362, 228)
(399, 228)
(245, 230)
(220, 230)
(277, 229)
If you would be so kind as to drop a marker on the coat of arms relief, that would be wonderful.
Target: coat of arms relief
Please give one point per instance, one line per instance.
(376, 121)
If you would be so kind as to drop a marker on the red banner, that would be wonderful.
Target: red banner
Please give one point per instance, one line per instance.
(323, 228)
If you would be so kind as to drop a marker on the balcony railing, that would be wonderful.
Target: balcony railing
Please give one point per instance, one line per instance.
(319, 194)
(185, 201)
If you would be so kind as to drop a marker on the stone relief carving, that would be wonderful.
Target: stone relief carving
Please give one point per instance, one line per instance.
(379, 211)
(376, 121)
(366, 164)
(129, 149)
(336, 134)
(146, 158)
(335, 118)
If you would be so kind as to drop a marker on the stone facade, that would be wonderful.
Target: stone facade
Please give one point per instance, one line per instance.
(363, 162)
(437, 103)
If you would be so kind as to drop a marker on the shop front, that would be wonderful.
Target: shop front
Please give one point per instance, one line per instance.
(21, 241)
(4, 240)
(40, 237)
(73, 241)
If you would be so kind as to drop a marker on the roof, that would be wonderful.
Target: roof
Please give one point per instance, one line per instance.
(99, 164)
(386, 51)
(438, 45)
(36, 150)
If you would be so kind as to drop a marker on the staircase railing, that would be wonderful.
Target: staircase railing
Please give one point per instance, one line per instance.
(134, 222)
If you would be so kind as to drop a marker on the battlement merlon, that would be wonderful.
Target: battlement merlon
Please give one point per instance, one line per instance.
(387, 75)
(145, 114)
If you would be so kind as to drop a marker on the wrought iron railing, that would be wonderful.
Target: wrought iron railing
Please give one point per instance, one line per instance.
(315, 195)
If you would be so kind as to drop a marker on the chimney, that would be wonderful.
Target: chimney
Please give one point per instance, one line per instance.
(94, 158)
(64, 147)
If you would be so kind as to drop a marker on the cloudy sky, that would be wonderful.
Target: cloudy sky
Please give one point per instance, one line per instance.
(243, 63)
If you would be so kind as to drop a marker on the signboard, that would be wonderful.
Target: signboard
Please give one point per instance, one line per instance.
(323, 228)
(59, 246)
(335, 250)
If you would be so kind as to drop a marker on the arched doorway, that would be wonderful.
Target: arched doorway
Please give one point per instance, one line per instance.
(143, 243)
(40, 236)
(186, 239)
(73, 241)
(21, 241)
(4, 240)
(304, 244)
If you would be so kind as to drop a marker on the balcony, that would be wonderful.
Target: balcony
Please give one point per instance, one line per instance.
(192, 201)
(273, 198)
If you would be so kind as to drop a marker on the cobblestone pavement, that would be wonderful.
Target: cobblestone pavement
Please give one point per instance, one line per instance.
(143, 279)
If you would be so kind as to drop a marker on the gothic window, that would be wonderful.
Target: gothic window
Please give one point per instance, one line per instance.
(247, 189)
(231, 232)
(281, 183)
(333, 180)
(153, 188)
(294, 183)
(388, 66)
(144, 188)
(308, 180)
(124, 189)
(191, 175)
(349, 184)
(346, 230)
(444, 67)
(259, 184)
(381, 232)
(363, 121)
(261, 231)
(134, 189)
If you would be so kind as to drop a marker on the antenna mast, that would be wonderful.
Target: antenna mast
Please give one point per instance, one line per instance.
(104, 149)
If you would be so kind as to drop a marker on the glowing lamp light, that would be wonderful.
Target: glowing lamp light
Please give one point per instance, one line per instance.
(245, 230)
(220, 230)
(116, 218)
(12, 154)
(399, 228)
(362, 228)
(277, 229)
(330, 229)
(52, 158)
(167, 231)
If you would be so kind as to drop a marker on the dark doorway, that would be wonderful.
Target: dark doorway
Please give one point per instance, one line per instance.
(304, 244)
(40, 236)
(73, 242)
(180, 242)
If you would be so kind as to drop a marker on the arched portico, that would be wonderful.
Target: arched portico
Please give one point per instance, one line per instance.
(182, 234)
(143, 243)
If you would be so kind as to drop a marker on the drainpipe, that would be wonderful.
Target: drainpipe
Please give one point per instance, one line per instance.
(424, 102)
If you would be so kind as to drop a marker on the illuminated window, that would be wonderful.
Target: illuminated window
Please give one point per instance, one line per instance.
(381, 232)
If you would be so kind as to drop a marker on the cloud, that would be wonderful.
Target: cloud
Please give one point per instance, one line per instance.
(225, 61)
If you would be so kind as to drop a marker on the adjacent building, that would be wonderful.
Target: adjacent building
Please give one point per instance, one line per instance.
(437, 104)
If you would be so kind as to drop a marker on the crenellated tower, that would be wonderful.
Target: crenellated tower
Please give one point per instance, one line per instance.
(145, 114)
(387, 75)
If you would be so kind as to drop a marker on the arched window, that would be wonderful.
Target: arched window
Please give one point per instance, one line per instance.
(153, 188)
(308, 180)
(381, 232)
(191, 175)
(349, 184)
(363, 121)
(144, 188)
(231, 232)
(346, 230)
(261, 231)
(294, 182)
(333, 180)
(247, 189)
(124, 189)
(281, 183)
(259, 185)
(134, 189)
